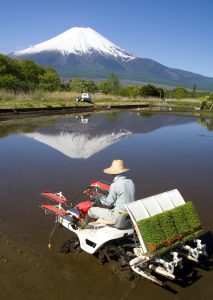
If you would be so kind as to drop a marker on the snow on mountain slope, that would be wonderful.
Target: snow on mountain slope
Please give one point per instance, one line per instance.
(79, 145)
(78, 41)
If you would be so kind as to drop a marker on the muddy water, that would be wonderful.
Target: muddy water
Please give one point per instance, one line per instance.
(66, 152)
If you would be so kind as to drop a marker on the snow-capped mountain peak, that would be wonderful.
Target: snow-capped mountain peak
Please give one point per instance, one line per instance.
(80, 41)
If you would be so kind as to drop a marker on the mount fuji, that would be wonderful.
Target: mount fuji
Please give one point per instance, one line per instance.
(79, 41)
(82, 52)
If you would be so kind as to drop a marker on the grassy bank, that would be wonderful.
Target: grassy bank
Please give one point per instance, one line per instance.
(59, 99)
(41, 99)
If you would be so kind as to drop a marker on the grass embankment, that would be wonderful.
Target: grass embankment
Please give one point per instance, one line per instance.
(58, 99)
(36, 100)
(41, 99)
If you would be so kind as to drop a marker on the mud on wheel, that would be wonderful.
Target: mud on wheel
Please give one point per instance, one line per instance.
(117, 257)
(70, 246)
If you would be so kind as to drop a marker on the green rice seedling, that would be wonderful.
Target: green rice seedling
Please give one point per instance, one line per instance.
(167, 224)
(180, 219)
(168, 229)
(151, 231)
(191, 215)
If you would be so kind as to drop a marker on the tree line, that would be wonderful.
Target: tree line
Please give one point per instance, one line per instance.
(26, 75)
(113, 86)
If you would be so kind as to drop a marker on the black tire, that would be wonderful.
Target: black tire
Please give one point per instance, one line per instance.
(70, 246)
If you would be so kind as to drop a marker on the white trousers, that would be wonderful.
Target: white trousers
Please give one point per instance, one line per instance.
(103, 213)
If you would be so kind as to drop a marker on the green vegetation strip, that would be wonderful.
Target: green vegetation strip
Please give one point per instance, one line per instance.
(168, 229)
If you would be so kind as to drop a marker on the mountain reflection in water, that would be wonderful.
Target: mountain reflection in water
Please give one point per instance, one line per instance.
(77, 145)
(82, 137)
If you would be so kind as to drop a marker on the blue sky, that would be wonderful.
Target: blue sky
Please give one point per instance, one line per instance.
(176, 33)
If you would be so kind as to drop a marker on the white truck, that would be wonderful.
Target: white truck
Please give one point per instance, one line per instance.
(84, 97)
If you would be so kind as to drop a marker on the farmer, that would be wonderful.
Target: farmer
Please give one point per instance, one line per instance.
(122, 191)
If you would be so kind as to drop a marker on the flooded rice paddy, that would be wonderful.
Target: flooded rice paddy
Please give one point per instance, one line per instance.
(64, 153)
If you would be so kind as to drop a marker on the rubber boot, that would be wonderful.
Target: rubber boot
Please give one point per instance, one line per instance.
(84, 222)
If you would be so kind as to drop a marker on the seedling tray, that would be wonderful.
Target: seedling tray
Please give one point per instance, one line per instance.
(170, 228)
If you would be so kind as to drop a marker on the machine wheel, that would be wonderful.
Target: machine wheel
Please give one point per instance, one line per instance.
(107, 254)
(117, 262)
(70, 246)
(124, 273)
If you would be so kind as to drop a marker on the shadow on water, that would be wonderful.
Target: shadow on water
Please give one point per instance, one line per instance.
(183, 279)
(189, 275)
(206, 263)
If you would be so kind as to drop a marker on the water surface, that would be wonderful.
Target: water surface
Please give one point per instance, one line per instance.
(63, 153)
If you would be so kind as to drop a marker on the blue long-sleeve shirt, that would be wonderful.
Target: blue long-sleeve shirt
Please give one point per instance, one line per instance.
(121, 192)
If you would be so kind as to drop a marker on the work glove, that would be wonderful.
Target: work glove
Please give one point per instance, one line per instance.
(96, 199)
(100, 201)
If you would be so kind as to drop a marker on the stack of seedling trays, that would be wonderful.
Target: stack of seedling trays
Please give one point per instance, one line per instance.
(170, 228)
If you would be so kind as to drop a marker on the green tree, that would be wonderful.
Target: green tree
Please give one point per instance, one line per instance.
(130, 91)
(149, 90)
(207, 102)
(194, 90)
(49, 81)
(82, 85)
(65, 86)
(124, 92)
(9, 82)
(26, 75)
(179, 93)
(103, 86)
(76, 85)
(113, 83)
(134, 91)
(9, 66)
(30, 73)
(90, 86)
(162, 93)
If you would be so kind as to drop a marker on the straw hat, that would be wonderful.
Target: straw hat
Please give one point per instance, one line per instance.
(117, 167)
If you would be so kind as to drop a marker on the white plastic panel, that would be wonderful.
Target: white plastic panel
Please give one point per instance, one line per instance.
(165, 202)
(138, 210)
(176, 197)
(150, 206)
